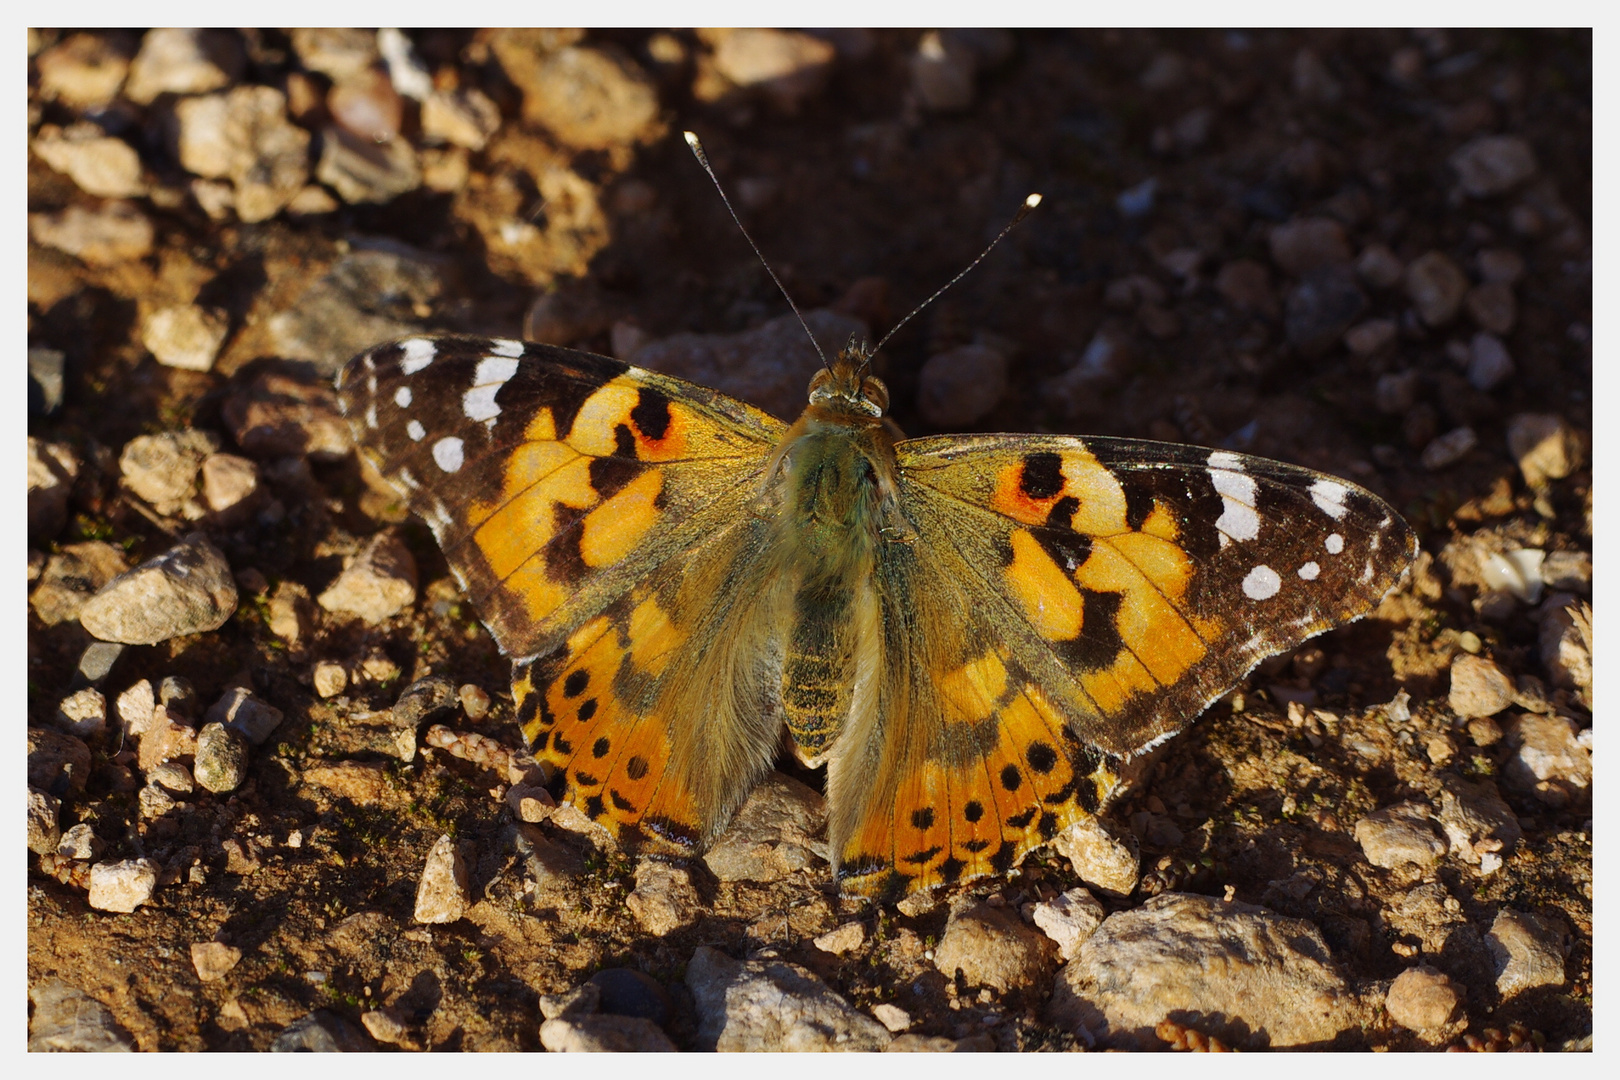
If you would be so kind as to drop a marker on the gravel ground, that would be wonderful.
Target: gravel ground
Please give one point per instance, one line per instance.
(291, 810)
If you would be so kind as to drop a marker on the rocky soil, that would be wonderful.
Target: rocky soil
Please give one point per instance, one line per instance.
(276, 799)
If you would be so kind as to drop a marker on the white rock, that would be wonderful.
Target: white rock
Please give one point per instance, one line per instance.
(1450, 448)
(1103, 857)
(1252, 977)
(83, 713)
(185, 335)
(442, 894)
(663, 900)
(44, 822)
(122, 886)
(1398, 835)
(604, 1033)
(213, 959)
(842, 939)
(1068, 919)
(892, 1017)
(772, 1006)
(376, 584)
(1528, 952)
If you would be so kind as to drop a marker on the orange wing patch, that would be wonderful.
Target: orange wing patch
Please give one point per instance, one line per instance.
(582, 711)
(996, 782)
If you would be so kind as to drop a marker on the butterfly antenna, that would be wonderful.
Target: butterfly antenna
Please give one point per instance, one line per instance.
(1030, 203)
(703, 160)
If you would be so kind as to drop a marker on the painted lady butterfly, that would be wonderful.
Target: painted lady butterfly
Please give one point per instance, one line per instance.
(973, 632)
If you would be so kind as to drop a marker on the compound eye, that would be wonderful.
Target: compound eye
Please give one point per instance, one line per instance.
(819, 381)
(873, 390)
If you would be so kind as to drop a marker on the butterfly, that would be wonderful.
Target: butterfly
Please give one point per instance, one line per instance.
(972, 632)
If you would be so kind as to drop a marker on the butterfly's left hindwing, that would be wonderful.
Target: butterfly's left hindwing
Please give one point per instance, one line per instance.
(1068, 603)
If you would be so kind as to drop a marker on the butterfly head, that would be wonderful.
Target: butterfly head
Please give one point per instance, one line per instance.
(846, 389)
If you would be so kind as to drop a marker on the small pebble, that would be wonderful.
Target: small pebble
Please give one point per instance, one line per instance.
(222, 758)
(1400, 835)
(180, 61)
(1436, 286)
(1479, 687)
(361, 782)
(786, 65)
(172, 777)
(84, 70)
(376, 584)
(162, 469)
(67, 1019)
(116, 232)
(186, 336)
(531, 803)
(1422, 999)
(604, 1034)
(245, 714)
(1527, 951)
(80, 843)
(330, 678)
(1448, 449)
(1500, 266)
(846, 938)
(99, 164)
(1307, 244)
(1379, 267)
(892, 1017)
(664, 900)
(1489, 364)
(992, 947)
(442, 894)
(44, 822)
(942, 73)
(83, 714)
(386, 1025)
(1068, 919)
(122, 886)
(1545, 447)
(213, 959)
(230, 486)
(1493, 164)
(188, 589)
(474, 701)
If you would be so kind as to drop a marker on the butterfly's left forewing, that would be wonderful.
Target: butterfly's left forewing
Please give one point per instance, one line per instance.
(1068, 603)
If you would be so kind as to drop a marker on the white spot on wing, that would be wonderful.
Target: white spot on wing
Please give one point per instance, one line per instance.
(415, 430)
(1334, 543)
(1328, 495)
(1367, 572)
(1309, 571)
(506, 347)
(493, 371)
(1238, 521)
(409, 480)
(371, 384)
(419, 353)
(447, 453)
(402, 397)
(1262, 583)
(371, 415)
